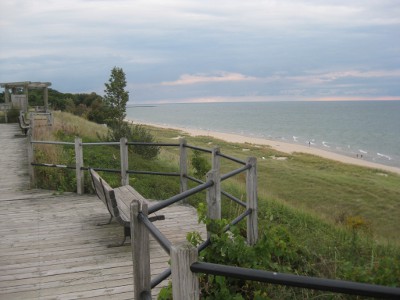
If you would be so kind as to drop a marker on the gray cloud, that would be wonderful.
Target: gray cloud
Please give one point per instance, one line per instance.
(225, 49)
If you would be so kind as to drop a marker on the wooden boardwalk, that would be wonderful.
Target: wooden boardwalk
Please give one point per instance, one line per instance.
(50, 245)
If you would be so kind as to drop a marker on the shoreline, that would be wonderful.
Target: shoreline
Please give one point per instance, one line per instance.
(277, 145)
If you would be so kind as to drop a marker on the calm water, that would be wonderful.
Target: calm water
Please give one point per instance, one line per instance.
(367, 128)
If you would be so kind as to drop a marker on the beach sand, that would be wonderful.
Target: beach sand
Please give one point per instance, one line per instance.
(277, 145)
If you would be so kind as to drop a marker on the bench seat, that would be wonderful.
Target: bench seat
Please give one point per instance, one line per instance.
(117, 201)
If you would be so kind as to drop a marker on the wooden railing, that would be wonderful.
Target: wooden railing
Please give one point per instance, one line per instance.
(184, 264)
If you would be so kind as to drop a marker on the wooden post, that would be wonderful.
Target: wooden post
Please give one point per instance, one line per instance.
(124, 161)
(140, 251)
(80, 177)
(183, 165)
(25, 106)
(46, 98)
(213, 197)
(251, 191)
(31, 170)
(185, 284)
(32, 124)
(216, 161)
(6, 95)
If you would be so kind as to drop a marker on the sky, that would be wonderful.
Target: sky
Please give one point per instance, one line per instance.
(206, 51)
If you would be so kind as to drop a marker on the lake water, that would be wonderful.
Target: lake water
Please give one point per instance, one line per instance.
(370, 129)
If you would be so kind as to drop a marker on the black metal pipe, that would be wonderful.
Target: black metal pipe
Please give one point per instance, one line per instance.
(102, 169)
(198, 148)
(178, 197)
(161, 239)
(52, 143)
(153, 144)
(194, 179)
(101, 144)
(207, 242)
(234, 172)
(53, 166)
(152, 173)
(203, 245)
(238, 219)
(232, 158)
(337, 286)
(233, 198)
(160, 277)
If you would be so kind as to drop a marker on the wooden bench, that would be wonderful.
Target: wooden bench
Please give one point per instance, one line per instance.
(23, 125)
(118, 202)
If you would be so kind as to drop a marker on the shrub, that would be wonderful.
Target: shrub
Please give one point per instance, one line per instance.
(135, 133)
(200, 164)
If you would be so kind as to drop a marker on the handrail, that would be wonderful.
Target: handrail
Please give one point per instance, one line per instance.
(53, 166)
(333, 285)
(52, 143)
(178, 197)
(231, 158)
(198, 148)
(235, 172)
(152, 173)
(153, 144)
(101, 144)
(160, 277)
(233, 198)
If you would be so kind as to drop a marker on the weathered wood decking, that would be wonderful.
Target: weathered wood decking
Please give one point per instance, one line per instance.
(50, 247)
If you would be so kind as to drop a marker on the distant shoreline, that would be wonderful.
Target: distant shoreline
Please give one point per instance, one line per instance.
(277, 145)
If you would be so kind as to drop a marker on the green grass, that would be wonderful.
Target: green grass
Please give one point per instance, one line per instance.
(328, 189)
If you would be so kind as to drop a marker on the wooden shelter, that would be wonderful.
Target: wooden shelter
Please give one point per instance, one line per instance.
(14, 98)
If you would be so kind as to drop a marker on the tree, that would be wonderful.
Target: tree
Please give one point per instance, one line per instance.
(115, 99)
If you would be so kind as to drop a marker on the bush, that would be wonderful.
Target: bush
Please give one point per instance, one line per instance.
(200, 164)
(136, 133)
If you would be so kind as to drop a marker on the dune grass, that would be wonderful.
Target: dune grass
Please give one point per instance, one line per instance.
(331, 190)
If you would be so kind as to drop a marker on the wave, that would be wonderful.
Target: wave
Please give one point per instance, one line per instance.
(362, 151)
(384, 156)
(325, 144)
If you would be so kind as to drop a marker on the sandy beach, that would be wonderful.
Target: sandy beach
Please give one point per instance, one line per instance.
(277, 145)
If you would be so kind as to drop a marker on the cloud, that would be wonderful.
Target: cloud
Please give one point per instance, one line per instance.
(327, 77)
(188, 79)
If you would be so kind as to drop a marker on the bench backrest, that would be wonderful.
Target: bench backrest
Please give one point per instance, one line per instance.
(105, 193)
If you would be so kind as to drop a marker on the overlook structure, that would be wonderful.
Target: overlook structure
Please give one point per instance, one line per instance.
(16, 94)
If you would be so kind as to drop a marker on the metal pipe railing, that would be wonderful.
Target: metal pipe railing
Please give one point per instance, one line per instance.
(235, 172)
(101, 144)
(181, 196)
(160, 277)
(152, 173)
(232, 158)
(198, 148)
(53, 166)
(152, 144)
(233, 198)
(333, 285)
(52, 143)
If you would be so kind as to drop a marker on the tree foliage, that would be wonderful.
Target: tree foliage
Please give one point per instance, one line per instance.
(115, 99)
